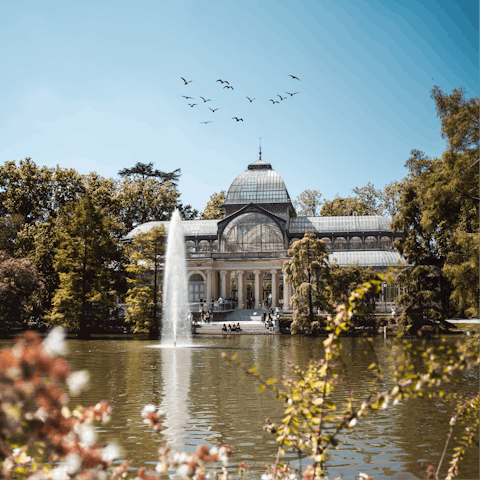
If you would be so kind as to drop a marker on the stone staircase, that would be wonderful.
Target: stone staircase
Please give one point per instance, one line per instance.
(250, 322)
(248, 328)
(239, 315)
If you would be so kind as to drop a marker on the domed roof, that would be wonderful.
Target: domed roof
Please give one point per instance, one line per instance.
(258, 184)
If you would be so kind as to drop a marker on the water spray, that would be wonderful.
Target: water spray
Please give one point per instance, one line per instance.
(176, 324)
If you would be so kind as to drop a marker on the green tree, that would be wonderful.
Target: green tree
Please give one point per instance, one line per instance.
(214, 209)
(381, 202)
(10, 225)
(439, 210)
(370, 197)
(307, 271)
(144, 297)
(85, 260)
(451, 202)
(341, 281)
(308, 203)
(25, 190)
(20, 283)
(425, 294)
(344, 207)
(391, 194)
(147, 195)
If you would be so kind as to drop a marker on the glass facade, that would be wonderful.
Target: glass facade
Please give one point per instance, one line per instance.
(255, 235)
(252, 232)
(354, 223)
(257, 186)
(375, 258)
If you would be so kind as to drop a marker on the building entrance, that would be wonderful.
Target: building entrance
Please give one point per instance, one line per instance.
(266, 287)
(196, 288)
(250, 293)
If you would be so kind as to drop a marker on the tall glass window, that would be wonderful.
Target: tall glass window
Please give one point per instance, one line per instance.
(252, 232)
(196, 288)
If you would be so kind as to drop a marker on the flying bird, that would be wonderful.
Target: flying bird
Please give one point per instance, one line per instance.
(292, 94)
(213, 109)
(251, 99)
(273, 101)
(226, 86)
(188, 98)
(186, 83)
(192, 105)
(237, 119)
(223, 81)
(281, 98)
(206, 122)
(293, 76)
(205, 101)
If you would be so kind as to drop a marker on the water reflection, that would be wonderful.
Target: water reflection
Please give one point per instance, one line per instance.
(176, 371)
(209, 402)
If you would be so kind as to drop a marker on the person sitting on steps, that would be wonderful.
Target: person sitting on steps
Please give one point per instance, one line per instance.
(238, 327)
(229, 328)
(224, 328)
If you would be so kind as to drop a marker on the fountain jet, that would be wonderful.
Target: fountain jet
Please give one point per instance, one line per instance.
(176, 326)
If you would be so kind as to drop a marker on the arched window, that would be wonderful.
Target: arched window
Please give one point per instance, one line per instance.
(215, 246)
(356, 243)
(196, 288)
(328, 243)
(340, 243)
(370, 243)
(386, 243)
(252, 232)
(190, 246)
(203, 246)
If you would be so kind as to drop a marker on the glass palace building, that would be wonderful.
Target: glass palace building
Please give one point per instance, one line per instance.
(241, 256)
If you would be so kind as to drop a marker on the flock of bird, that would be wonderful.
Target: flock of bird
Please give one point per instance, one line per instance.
(228, 86)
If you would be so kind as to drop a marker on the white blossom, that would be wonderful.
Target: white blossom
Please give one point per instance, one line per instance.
(73, 463)
(363, 476)
(148, 409)
(77, 381)
(179, 457)
(110, 452)
(60, 473)
(54, 343)
(86, 433)
(222, 455)
(353, 422)
(183, 470)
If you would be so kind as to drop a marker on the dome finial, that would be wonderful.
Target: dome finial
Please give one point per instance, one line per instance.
(260, 157)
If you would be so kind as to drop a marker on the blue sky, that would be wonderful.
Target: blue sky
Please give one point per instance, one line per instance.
(95, 85)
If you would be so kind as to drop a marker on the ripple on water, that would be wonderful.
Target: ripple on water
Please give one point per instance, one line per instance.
(208, 401)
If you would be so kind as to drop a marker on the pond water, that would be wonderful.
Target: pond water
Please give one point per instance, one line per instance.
(209, 402)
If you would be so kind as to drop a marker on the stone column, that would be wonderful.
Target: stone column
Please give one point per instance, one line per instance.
(223, 289)
(257, 288)
(209, 285)
(286, 296)
(274, 288)
(240, 288)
